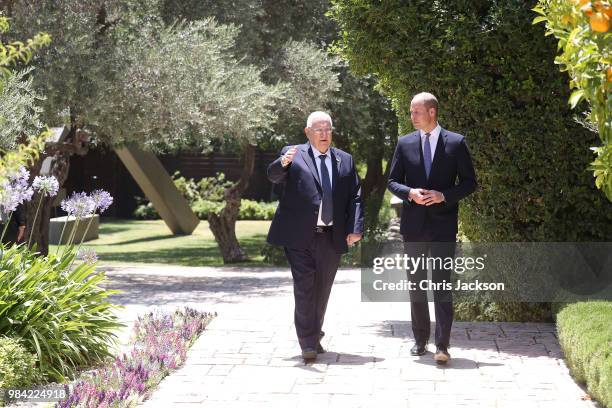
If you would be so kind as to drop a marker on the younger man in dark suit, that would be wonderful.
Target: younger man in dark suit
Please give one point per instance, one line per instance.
(424, 172)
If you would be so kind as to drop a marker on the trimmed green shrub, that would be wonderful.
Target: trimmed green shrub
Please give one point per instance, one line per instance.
(257, 210)
(585, 335)
(59, 310)
(494, 74)
(17, 365)
(205, 196)
(502, 312)
(204, 207)
(145, 210)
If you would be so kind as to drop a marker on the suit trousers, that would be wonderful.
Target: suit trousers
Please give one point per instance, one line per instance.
(437, 249)
(313, 270)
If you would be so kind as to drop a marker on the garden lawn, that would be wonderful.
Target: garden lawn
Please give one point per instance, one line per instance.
(131, 241)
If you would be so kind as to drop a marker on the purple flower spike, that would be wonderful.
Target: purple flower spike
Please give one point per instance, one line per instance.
(79, 205)
(88, 255)
(15, 190)
(102, 200)
(46, 185)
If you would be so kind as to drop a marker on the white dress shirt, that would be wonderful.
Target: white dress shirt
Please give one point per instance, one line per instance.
(328, 163)
(433, 140)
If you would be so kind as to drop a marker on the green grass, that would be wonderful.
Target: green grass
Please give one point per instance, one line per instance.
(130, 241)
(585, 335)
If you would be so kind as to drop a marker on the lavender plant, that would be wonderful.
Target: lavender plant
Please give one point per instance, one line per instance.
(160, 344)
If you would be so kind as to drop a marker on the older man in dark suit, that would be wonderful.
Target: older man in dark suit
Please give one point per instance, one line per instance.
(319, 215)
(431, 171)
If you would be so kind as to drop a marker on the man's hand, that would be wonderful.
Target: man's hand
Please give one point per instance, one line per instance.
(417, 195)
(351, 239)
(432, 197)
(21, 233)
(287, 158)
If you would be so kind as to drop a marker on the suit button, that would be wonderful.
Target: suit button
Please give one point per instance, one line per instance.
(316, 212)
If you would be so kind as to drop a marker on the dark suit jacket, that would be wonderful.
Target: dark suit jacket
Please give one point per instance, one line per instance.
(451, 161)
(296, 217)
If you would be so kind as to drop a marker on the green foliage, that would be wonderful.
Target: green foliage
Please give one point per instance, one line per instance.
(257, 210)
(274, 255)
(494, 75)
(287, 39)
(145, 210)
(61, 313)
(118, 70)
(477, 310)
(188, 187)
(17, 51)
(310, 71)
(213, 188)
(586, 55)
(17, 116)
(17, 365)
(206, 196)
(249, 209)
(203, 208)
(19, 112)
(585, 335)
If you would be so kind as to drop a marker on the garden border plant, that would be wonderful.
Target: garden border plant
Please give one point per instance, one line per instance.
(160, 344)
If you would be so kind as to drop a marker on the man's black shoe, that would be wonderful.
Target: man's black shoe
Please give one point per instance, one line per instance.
(418, 349)
(441, 355)
(309, 354)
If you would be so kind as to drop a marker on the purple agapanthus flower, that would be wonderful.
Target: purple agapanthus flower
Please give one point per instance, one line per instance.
(46, 185)
(88, 255)
(21, 176)
(102, 200)
(15, 190)
(79, 205)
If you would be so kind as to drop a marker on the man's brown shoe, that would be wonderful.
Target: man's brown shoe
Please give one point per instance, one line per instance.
(441, 355)
(309, 354)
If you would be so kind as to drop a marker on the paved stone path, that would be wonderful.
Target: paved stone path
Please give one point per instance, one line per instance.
(249, 356)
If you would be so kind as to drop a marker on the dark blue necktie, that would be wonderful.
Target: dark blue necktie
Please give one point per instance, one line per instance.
(427, 154)
(327, 207)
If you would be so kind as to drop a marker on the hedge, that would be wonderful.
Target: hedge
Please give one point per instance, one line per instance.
(494, 74)
(585, 335)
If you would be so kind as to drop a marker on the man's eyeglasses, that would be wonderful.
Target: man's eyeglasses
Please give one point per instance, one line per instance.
(320, 131)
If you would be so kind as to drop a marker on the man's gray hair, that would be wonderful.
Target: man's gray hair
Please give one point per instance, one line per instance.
(429, 100)
(317, 116)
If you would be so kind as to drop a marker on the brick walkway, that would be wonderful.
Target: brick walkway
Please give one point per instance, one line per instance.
(249, 357)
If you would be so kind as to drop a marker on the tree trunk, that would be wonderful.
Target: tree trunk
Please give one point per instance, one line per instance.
(60, 152)
(374, 183)
(223, 225)
(374, 187)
